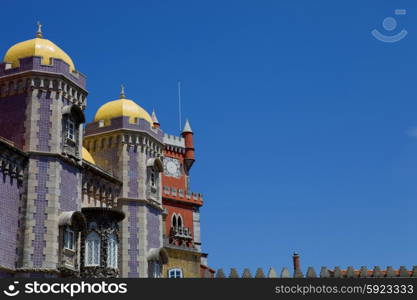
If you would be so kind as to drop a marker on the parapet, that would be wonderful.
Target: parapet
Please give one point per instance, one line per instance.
(181, 195)
(95, 128)
(174, 141)
(34, 63)
(350, 272)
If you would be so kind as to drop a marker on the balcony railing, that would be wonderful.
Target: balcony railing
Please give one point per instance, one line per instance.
(180, 232)
(182, 195)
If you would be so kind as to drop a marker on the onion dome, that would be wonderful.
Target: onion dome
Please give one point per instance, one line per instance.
(37, 47)
(122, 107)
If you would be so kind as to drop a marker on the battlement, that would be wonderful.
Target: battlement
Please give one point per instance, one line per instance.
(174, 143)
(95, 128)
(350, 272)
(181, 195)
(34, 63)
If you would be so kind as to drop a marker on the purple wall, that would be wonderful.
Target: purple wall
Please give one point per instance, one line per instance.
(153, 226)
(9, 215)
(40, 216)
(69, 199)
(12, 121)
(36, 275)
(133, 173)
(44, 123)
(5, 275)
(133, 240)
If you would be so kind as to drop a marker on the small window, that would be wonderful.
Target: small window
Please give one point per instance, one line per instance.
(175, 273)
(70, 129)
(92, 249)
(155, 269)
(153, 177)
(69, 239)
(112, 251)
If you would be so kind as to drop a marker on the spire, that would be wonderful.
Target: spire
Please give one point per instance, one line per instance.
(154, 118)
(122, 91)
(39, 32)
(187, 127)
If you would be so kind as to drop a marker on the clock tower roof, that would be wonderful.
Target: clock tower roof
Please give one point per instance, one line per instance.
(187, 127)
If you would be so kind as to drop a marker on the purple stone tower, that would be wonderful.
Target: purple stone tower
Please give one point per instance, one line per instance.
(124, 142)
(41, 105)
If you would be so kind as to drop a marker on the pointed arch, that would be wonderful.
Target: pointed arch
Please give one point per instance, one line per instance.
(174, 220)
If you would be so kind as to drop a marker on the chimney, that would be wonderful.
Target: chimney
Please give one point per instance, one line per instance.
(296, 262)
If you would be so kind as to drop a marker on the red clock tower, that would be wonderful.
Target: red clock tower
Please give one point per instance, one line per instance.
(182, 219)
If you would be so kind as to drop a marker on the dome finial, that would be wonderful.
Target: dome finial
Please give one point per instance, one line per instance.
(39, 32)
(122, 91)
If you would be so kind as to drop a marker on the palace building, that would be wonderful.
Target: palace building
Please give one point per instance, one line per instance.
(109, 198)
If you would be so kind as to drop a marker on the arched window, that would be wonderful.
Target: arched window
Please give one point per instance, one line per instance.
(180, 221)
(174, 221)
(112, 251)
(92, 249)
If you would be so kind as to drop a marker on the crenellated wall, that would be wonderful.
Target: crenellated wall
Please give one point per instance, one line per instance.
(350, 272)
(34, 63)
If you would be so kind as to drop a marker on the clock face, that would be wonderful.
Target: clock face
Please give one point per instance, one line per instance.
(172, 167)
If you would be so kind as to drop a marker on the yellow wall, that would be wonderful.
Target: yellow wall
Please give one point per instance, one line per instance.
(187, 261)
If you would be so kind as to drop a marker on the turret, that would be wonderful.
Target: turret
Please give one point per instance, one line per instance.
(187, 134)
(155, 120)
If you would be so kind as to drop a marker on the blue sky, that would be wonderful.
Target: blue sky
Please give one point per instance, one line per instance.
(304, 122)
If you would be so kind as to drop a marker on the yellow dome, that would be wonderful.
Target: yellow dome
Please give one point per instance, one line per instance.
(122, 107)
(37, 47)
(87, 156)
